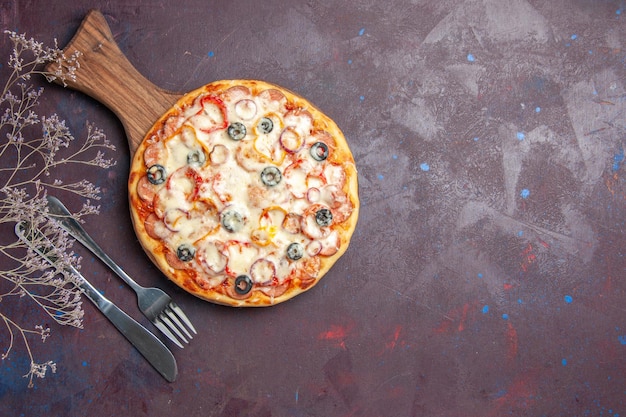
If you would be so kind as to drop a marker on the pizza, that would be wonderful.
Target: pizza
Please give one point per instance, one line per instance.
(243, 193)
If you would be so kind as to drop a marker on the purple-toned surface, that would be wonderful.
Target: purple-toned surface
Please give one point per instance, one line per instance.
(486, 275)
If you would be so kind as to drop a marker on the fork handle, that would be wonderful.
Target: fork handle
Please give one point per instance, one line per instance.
(62, 214)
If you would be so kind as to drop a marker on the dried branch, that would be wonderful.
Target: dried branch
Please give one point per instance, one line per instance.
(30, 149)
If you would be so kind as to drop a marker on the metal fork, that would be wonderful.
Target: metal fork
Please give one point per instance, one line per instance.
(155, 304)
(155, 352)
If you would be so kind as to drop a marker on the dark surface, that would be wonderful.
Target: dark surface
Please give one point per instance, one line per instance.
(486, 276)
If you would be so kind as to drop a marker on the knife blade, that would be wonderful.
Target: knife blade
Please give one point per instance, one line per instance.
(152, 349)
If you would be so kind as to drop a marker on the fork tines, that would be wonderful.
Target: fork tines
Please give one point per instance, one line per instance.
(170, 322)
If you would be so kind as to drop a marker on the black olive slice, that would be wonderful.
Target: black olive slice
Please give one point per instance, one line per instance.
(271, 176)
(324, 217)
(319, 151)
(232, 221)
(243, 284)
(295, 251)
(185, 252)
(237, 131)
(156, 174)
(265, 125)
(196, 158)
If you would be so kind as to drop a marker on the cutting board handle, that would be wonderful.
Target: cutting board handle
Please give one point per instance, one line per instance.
(106, 75)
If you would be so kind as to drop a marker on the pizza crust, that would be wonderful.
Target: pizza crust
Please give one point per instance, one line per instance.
(145, 213)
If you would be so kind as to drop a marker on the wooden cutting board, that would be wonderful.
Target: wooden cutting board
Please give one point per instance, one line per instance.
(106, 75)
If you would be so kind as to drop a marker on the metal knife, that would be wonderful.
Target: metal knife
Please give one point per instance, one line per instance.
(155, 352)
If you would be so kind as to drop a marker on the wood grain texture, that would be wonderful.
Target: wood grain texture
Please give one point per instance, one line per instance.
(106, 75)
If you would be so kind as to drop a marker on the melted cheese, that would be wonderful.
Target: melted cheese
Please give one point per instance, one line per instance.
(204, 164)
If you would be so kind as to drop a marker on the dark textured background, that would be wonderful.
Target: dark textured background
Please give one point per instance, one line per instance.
(486, 274)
